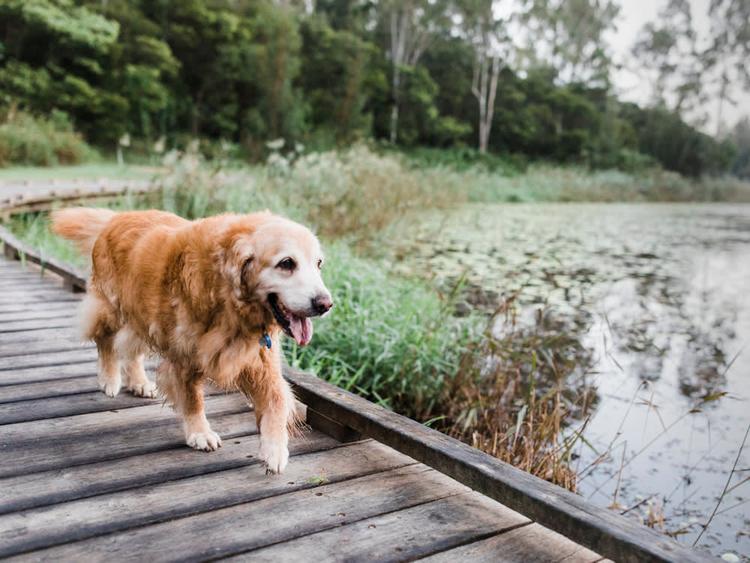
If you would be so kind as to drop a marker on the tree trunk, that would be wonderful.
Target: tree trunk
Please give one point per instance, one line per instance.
(484, 88)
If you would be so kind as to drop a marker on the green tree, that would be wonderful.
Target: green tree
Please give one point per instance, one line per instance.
(54, 56)
(411, 25)
(568, 35)
(337, 67)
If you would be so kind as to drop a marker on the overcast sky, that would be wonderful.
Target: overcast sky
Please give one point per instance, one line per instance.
(636, 13)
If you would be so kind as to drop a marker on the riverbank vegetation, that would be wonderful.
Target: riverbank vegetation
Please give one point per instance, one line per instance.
(394, 340)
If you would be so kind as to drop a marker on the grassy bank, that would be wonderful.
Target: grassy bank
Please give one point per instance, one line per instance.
(391, 339)
(90, 171)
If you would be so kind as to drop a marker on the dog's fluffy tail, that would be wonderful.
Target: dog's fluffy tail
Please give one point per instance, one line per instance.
(82, 225)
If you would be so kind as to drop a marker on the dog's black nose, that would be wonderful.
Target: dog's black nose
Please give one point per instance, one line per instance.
(321, 304)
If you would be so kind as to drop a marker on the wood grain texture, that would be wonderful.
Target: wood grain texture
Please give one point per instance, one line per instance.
(42, 346)
(102, 514)
(279, 518)
(69, 405)
(37, 324)
(25, 361)
(599, 529)
(13, 248)
(31, 375)
(63, 300)
(402, 535)
(42, 313)
(528, 543)
(33, 295)
(72, 483)
(42, 389)
(64, 442)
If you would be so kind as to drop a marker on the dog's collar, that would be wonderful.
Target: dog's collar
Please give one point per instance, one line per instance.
(265, 340)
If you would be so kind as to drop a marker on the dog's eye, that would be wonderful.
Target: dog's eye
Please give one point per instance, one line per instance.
(320, 264)
(287, 264)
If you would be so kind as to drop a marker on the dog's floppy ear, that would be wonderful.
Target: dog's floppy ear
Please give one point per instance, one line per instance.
(238, 258)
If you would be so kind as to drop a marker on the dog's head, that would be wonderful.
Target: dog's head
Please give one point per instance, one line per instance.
(277, 263)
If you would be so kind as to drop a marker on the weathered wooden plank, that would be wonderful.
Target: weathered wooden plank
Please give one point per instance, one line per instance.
(14, 248)
(64, 300)
(72, 483)
(31, 375)
(528, 543)
(69, 405)
(54, 336)
(400, 536)
(75, 356)
(42, 313)
(597, 528)
(24, 276)
(31, 296)
(58, 373)
(257, 524)
(36, 324)
(85, 518)
(42, 389)
(136, 439)
(28, 284)
(42, 345)
(9, 269)
(23, 435)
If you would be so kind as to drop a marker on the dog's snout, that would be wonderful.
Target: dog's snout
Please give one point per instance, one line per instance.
(321, 304)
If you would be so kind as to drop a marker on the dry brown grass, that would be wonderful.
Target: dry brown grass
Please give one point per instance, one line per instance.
(515, 394)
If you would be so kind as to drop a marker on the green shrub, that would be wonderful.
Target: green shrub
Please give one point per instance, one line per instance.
(354, 193)
(392, 340)
(465, 158)
(29, 140)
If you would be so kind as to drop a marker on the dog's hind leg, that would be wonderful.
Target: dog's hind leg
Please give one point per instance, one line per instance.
(109, 377)
(185, 392)
(130, 350)
(137, 381)
(98, 323)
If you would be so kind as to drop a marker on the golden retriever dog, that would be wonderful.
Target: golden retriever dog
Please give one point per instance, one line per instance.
(211, 298)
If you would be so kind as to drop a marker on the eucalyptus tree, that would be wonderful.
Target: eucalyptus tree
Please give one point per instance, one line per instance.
(570, 36)
(727, 59)
(487, 33)
(669, 52)
(740, 136)
(410, 26)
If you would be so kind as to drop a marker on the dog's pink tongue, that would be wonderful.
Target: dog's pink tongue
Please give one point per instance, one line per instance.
(302, 330)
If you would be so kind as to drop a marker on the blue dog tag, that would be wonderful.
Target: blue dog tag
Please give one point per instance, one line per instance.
(265, 340)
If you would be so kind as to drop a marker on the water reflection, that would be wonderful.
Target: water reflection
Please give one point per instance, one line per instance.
(659, 295)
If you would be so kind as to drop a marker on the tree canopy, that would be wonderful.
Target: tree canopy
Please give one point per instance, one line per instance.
(529, 77)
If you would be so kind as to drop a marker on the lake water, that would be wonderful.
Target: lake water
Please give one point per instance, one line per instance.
(661, 295)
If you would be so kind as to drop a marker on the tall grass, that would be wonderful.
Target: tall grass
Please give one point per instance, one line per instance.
(353, 194)
(41, 141)
(390, 339)
(550, 183)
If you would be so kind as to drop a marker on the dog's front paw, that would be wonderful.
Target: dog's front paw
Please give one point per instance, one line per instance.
(275, 455)
(146, 389)
(110, 388)
(207, 441)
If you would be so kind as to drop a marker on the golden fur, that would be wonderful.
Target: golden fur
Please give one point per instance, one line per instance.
(201, 294)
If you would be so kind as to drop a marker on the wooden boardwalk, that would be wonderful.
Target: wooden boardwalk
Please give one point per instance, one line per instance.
(86, 477)
(29, 196)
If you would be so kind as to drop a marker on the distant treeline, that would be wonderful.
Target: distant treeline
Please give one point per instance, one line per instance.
(418, 73)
